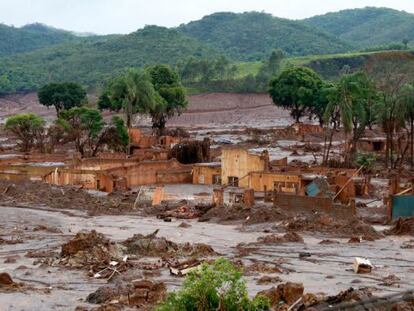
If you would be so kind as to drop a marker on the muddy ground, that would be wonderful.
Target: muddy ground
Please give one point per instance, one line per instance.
(215, 110)
(272, 246)
(45, 231)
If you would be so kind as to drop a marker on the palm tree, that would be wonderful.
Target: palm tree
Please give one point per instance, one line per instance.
(346, 105)
(136, 93)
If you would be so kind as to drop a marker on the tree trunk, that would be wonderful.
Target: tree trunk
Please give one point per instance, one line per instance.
(412, 143)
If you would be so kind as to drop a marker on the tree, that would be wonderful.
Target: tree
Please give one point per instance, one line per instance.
(318, 107)
(171, 99)
(217, 286)
(296, 89)
(28, 128)
(62, 95)
(348, 100)
(390, 73)
(132, 92)
(269, 69)
(407, 100)
(87, 129)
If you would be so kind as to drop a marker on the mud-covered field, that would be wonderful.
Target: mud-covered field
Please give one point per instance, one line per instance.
(65, 248)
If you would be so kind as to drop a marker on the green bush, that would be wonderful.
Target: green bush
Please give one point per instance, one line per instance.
(217, 286)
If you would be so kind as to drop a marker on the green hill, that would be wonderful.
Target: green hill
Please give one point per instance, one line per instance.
(91, 63)
(253, 35)
(368, 26)
(30, 37)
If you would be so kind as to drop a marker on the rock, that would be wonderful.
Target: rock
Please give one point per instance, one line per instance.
(5, 279)
(184, 225)
(288, 293)
(272, 294)
(137, 293)
(304, 255)
(291, 292)
(354, 239)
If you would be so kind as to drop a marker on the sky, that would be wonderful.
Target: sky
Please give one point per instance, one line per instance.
(125, 16)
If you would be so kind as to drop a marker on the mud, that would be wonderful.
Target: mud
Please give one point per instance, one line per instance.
(33, 193)
(402, 226)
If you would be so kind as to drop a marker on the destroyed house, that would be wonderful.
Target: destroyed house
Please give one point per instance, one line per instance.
(237, 163)
(207, 173)
(105, 176)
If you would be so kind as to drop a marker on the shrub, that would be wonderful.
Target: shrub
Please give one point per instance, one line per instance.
(217, 286)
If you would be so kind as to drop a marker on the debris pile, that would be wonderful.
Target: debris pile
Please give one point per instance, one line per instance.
(183, 211)
(290, 237)
(142, 294)
(28, 193)
(334, 226)
(255, 215)
(153, 246)
(287, 293)
(7, 284)
(90, 250)
(402, 226)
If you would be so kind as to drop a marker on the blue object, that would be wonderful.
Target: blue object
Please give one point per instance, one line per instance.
(402, 206)
(312, 189)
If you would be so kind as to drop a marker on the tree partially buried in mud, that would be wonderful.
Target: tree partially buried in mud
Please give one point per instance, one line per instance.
(132, 93)
(156, 91)
(296, 89)
(28, 128)
(87, 129)
(217, 286)
(172, 96)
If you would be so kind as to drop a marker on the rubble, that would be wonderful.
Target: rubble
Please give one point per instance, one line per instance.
(290, 237)
(362, 265)
(35, 193)
(334, 226)
(90, 250)
(287, 293)
(402, 226)
(139, 294)
(152, 245)
(7, 284)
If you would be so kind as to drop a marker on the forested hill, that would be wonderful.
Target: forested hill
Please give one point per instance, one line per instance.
(253, 35)
(36, 54)
(91, 63)
(30, 37)
(368, 26)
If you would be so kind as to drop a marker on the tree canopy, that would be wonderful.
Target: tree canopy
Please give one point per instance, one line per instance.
(62, 95)
(296, 89)
(132, 92)
(27, 128)
(171, 98)
(87, 129)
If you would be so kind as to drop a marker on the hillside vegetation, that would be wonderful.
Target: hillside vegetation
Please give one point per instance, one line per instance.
(220, 47)
(91, 63)
(253, 36)
(30, 37)
(367, 27)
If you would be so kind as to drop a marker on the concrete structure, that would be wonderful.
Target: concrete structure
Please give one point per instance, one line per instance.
(281, 182)
(236, 164)
(372, 144)
(207, 173)
(107, 177)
